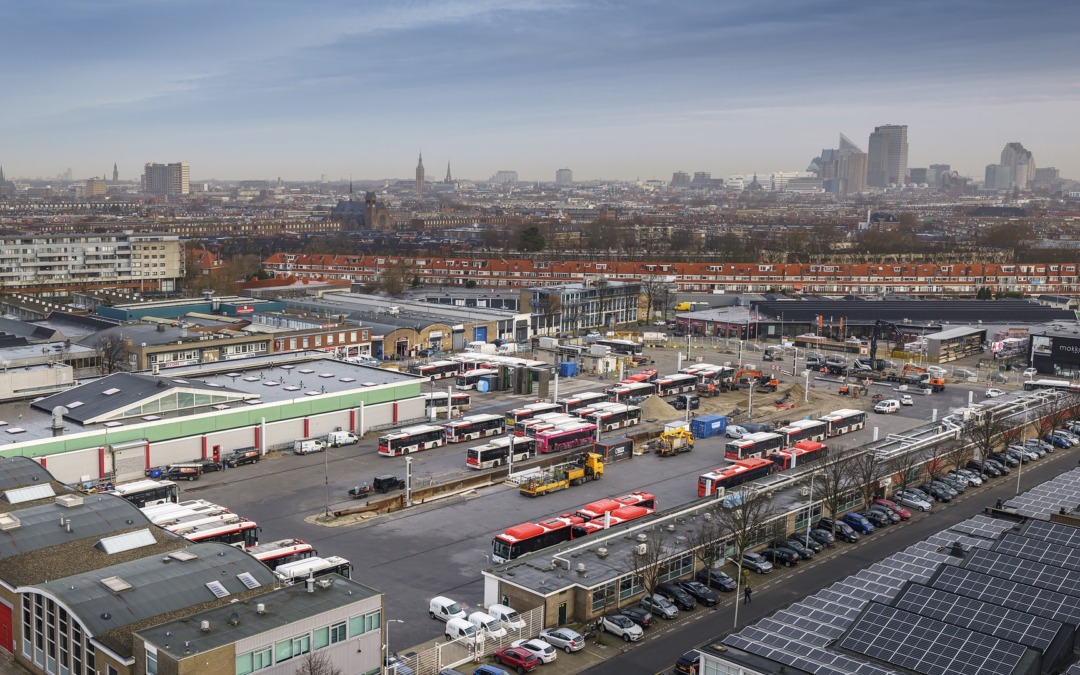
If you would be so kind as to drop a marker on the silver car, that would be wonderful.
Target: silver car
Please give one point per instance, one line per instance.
(912, 499)
(658, 604)
(736, 432)
(563, 638)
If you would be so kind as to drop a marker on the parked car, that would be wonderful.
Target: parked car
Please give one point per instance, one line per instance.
(889, 405)
(489, 670)
(1072, 436)
(516, 658)
(778, 555)
(399, 665)
(878, 517)
(1002, 469)
(1038, 446)
(544, 652)
(714, 578)
(758, 427)
(844, 532)
(621, 626)
(689, 663)
(1003, 458)
(659, 605)
(823, 537)
(678, 595)
(957, 486)
(639, 615)
(701, 592)
(804, 552)
(894, 507)
(913, 499)
(808, 541)
(975, 478)
(906, 399)
(1058, 441)
(679, 403)
(960, 477)
(891, 516)
(563, 638)
(983, 468)
(994, 393)
(936, 492)
(207, 465)
(858, 522)
(736, 432)
(753, 561)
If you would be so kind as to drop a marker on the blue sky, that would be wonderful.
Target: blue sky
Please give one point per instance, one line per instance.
(624, 89)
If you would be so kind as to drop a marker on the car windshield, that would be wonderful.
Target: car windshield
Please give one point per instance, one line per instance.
(453, 608)
(471, 630)
(661, 601)
(511, 616)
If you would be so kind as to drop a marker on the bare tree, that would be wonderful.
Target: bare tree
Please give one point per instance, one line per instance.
(866, 470)
(707, 537)
(906, 469)
(317, 663)
(653, 287)
(937, 456)
(744, 515)
(835, 479)
(957, 453)
(983, 431)
(396, 276)
(646, 559)
(109, 349)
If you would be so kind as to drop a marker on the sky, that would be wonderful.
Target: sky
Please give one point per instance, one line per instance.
(611, 89)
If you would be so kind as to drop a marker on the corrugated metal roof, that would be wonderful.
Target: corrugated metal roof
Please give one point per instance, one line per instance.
(98, 516)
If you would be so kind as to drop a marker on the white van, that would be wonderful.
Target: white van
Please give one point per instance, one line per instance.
(336, 439)
(307, 446)
(457, 629)
(489, 624)
(889, 405)
(445, 609)
(507, 616)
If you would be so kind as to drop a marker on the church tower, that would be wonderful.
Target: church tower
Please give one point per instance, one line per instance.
(448, 178)
(420, 175)
(115, 174)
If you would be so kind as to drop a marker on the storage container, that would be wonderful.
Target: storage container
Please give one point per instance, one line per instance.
(708, 425)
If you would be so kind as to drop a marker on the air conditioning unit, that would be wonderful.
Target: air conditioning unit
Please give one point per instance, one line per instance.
(641, 548)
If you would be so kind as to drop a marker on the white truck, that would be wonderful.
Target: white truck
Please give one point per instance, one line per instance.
(336, 439)
(480, 347)
(306, 446)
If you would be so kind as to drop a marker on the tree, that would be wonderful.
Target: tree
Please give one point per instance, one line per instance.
(742, 515)
(866, 470)
(317, 663)
(835, 479)
(936, 459)
(957, 453)
(395, 276)
(982, 430)
(646, 559)
(907, 220)
(654, 288)
(531, 240)
(706, 537)
(110, 350)
(906, 469)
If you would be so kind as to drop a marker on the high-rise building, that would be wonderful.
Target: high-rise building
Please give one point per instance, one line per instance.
(888, 151)
(504, 177)
(564, 177)
(166, 179)
(115, 174)
(702, 178)
(850, 167)
(998, 177)
(95, 187)
(919, 176)
(1022, 164)
(420, 175)
(680, 178)
(1042, 176)
(934, 176)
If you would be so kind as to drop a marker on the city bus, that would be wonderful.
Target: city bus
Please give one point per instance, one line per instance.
(1062, 385)
(581, 400)
(497, 452)
(761, 444)
(149, 492)
(585, 411)
(163, 513)
(437, 400)
(473, 427)
(300, 570)
(597, 509)
(468, 380)
(615, 417)
(411, 439)
(522, 428)
(676, 384)
(560, 439)
(648, 375)
(696, 368)
(622, 347)
(843, 421)
(803, 430)
(718, 481)
(282, 552)
(625, 390)
(798, 455)
(203, 516)
(243, 533)
(531, 410)
(436, 370)
(531, 430)
(524, 539)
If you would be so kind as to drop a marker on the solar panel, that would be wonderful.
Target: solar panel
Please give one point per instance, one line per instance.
(1007, 624)
(217, 589)
(929, 646)
(1023, 597)
(1041, 551)
(981, 526)
(1055, 532)
(248, 580)
(1073, 669)
(1046, 498)
(1025, 571)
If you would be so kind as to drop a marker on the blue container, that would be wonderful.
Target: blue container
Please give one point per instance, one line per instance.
(568, 369)
(482, 385)
(708, 425)
(155, 473)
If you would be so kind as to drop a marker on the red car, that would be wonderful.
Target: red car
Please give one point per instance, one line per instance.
(517, 658)
(895, 508)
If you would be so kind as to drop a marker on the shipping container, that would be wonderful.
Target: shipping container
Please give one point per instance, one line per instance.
(708, 425)
(568, 369)
(614, 449)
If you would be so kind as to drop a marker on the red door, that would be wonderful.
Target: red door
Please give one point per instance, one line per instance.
(5, 629)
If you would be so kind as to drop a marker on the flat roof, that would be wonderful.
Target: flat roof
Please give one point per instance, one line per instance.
(98, 516)
(1069, 328)
(739, 314)
(953, 333)
(184, 638)
(35, 351)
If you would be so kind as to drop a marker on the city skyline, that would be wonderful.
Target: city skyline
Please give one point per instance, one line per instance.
(728, 89)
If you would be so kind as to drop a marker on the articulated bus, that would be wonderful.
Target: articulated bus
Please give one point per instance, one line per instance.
(523, 539)
(531, 430)
(469, 379)
(523, 427)
(581, 400)
(803, 430)
(625, 390)
(436, 370)
(736, 474)
(798, 455)
(622, 347)
(615, 417)
(843, 421)
(149, 492)
(676, 384)
(282, 552)
(241, 534)
(298, 571)
(411, 439)
(531, 410)
(473, 427)
(497, 452)
(761, 444)
(569, 437)
(437, 400)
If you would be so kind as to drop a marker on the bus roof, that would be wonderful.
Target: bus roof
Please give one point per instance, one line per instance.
(411, 431)
(302, 567)
(472, 419)
(140, 485)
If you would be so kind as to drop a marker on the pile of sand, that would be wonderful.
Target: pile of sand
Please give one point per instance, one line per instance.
(654, 408)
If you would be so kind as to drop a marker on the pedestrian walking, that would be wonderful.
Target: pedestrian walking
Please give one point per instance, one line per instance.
(746, 595)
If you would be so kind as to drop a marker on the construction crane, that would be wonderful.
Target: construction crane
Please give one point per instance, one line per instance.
(876, 363)
(674, 441)
(589, 466)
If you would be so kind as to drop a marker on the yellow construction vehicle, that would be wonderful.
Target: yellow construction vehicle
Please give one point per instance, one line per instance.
(588, 466)
(674, 441)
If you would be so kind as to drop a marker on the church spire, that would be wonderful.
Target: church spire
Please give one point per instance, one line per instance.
(350, 186)
(448, 178)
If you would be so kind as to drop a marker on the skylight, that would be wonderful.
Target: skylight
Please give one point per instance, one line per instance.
(248, 580)
(326, 375)
(306, 371)
(74, 404)
(16, 430)
(110, 392)
(116, 584)
(28, 494)
(126, 542)
(217, 589)
(108, 424)
(182, 556)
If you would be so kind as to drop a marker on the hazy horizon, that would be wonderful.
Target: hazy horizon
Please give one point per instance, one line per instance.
(610, 90)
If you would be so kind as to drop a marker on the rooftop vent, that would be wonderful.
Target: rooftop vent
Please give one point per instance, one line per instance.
(234, 619)
(69, 500)
(204, 627)
(602, 552)
(116, 584)
(182, 556)
(641, 536)
(8, 521)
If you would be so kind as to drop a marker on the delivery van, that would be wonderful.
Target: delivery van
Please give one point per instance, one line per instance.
(307, 446)
(336, 439)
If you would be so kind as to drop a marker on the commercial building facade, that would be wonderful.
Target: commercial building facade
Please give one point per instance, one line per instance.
(593, 303)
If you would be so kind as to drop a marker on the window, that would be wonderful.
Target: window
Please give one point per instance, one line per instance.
(358, 625)
(710, 667)
(151, 662)
(337, 633)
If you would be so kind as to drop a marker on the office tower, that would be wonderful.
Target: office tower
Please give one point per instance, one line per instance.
(702, 178)
(504, 177)
(680, 178)
(420, 175)
(564, 177)
(1022, 164)
(115, 174)
(1042, 176)
(851, 166)
(998, 177)
(919, 176)
(887, 161)
(95, 187)
(166, 179)
(934, 176)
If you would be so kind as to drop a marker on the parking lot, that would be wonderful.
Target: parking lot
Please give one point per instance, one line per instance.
(440, 548)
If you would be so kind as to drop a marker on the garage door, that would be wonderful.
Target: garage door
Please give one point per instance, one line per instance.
(129, 460)
(480, 334)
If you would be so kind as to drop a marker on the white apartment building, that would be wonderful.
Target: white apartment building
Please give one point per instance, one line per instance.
(148, 261)
(166, 179)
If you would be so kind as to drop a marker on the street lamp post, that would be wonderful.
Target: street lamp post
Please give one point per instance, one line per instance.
(386, 644)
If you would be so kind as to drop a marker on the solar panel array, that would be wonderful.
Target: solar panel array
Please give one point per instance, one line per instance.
(1054, 532)
(1040, 551)
(1049, 497)
(1025, 571)
(1073, 669)
(1011, 594)
(930, 646)
(982, 526)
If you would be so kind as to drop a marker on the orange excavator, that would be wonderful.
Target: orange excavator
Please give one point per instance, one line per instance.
(755, 378)
(921, 377)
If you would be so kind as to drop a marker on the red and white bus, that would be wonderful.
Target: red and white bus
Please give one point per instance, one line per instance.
(436, 370)
(162, 514)
(647, 375)
(497, 452)
(297, 571)
(798, 455)
(843, 421)
(282, 552)
(184, 523)
(411, 439)
(468, 380)
(528, 427)
(524, 539)
(676, 384)
(437, 400)
(531, 410)
(697, 368)
(626, 390)
(243, 533)
(582, 400)
(474, 426)
(615, 417)
(761, 444)
(734, 475)
(596, 510)
(565, 438)
(803, 430)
